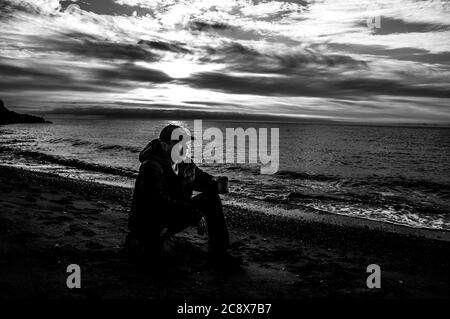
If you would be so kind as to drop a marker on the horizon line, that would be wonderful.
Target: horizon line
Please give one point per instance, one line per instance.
(173, 113)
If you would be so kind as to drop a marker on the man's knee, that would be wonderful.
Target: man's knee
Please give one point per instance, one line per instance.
(207, 201)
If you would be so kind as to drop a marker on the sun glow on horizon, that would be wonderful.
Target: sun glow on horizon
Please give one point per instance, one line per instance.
(180, 68)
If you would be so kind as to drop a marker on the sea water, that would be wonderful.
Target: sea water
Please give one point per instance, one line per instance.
(396, 174)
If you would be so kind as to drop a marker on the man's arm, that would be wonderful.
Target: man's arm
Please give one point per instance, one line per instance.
(153, 187)
(204, 182)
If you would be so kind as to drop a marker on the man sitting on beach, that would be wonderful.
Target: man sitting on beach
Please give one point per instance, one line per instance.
(163, 204)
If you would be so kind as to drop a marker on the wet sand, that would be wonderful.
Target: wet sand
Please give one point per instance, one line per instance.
(48, 222)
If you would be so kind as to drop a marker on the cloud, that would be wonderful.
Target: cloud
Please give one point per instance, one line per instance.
(132, 72)
(115, 78)
(206, 26)
(317, 86)
(393, 25)
(281, 60)
(404, 54)
(164, 46)
(90, 46)
(44, 7)
(107, 7)
(312, 58)
(8, 69)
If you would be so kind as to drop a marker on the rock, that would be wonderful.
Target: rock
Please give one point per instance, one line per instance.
(10, 117)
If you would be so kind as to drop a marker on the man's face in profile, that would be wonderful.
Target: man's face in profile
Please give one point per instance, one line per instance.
(178, 151)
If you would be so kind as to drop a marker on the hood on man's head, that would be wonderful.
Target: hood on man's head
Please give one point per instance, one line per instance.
(169, 134)
(152, 149)
(174, 133)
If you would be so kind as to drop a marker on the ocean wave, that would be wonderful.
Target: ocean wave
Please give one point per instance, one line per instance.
(54, 159)
(6, 132)
(99, 146)
(397, 182)
(390, 182)
(301, 175)
(108, 147)
(252, 169)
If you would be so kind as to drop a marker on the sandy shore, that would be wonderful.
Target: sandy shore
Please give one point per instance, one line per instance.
(48, 222)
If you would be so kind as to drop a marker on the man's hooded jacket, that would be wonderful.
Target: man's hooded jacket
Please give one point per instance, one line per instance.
(159, 191)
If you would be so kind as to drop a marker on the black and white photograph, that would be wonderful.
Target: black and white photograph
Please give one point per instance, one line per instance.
(219, 158)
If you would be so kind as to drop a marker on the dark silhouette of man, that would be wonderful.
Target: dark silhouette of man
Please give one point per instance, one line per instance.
(163, 202)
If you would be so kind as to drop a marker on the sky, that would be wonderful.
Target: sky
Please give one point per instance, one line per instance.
(363, 61)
